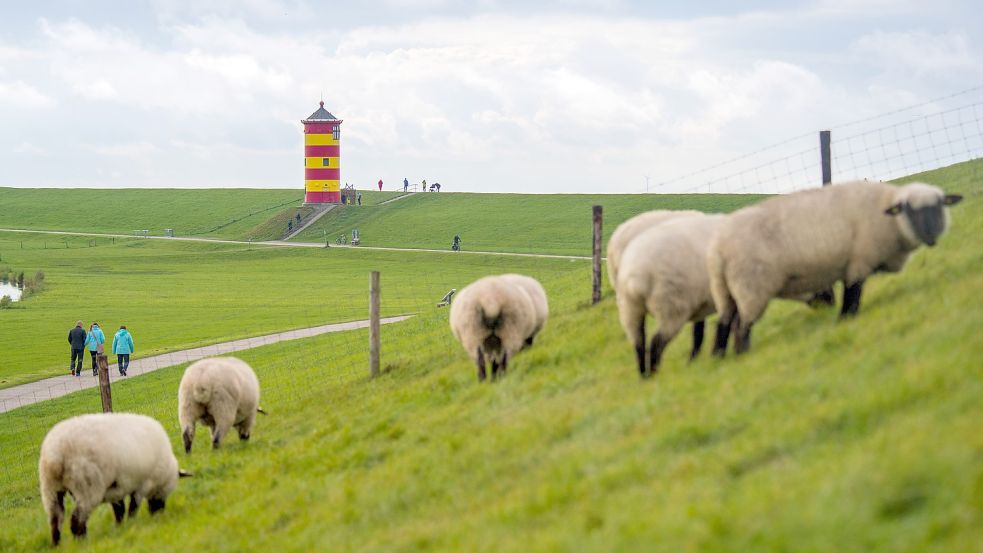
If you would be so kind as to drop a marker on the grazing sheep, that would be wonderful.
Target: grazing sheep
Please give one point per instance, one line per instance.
(631, 228)
(538, 296)
(663, 272)
(103, 458)
(222, 392)
(493, 318)
(807, 241)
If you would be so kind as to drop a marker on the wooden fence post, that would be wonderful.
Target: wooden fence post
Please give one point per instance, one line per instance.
(107, 399)
(596, 278)
(374, 323)
(825, 159)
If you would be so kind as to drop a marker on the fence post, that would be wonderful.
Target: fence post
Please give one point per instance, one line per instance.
(374, 323)
(107, 399)
(824, 156)
(596, 279)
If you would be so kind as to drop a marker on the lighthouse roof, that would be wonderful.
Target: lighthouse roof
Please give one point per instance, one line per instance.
(321, 115)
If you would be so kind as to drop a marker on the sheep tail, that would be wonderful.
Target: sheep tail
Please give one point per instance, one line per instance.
(716, 269)
(491, 313)
(201, 392)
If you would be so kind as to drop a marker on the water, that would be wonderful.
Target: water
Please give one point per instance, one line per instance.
(10, 290)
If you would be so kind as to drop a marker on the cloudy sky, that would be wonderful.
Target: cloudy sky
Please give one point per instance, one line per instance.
(580, 96)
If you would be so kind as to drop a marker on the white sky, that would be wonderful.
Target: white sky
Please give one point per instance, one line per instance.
(583, 96)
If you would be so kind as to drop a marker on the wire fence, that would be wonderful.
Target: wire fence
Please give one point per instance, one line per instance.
(884, 147)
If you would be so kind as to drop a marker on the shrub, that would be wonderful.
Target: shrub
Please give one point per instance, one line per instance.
(20, 280)
(5, 302)
(39, 277)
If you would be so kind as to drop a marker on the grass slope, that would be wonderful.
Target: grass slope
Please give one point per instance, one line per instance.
(177, 295)
(529, 223)
(860, 435)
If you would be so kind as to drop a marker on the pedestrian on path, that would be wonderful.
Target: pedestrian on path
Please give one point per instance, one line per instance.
(123, 347)
(94, 341)
(76, 338)
(380, 185)
(406, 184)
(423, 186)
(359, 198)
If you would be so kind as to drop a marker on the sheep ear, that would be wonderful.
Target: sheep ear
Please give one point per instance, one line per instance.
(894, 209)
(952, 199)
(184, 474)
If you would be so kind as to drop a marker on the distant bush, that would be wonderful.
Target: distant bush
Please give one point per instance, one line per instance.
(20, 280)
(39, 277)
(5, 302)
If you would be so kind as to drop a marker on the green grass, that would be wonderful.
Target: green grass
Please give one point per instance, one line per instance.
(178, 295)
(828, 436)
(529, 223)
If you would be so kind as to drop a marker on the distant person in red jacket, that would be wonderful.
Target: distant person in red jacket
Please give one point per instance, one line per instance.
(380, 185)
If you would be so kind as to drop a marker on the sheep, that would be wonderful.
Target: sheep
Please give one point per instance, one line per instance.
(809, 240)
(663, 272)
(631, 228)
(222, 392)
(102, 458)
(538, 296)
(493, 318)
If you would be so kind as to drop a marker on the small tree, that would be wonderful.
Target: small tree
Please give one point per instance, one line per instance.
(39, 277)
(20, 280)
(5, 302)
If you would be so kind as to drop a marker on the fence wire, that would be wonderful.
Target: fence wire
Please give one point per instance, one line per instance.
(884, 147)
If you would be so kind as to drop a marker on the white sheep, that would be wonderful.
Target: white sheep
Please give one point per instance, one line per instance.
(103, 458)
(663, 272)
(631, 228)
(807, 241)
(222, 392)
(492, 318)
(538, 296)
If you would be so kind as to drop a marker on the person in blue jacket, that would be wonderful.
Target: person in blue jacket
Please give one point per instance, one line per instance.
(123, 347)
(93, 339)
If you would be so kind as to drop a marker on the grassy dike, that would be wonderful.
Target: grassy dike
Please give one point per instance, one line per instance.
(854, 436)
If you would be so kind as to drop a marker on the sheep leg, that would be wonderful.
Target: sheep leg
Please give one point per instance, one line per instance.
(155, 504)
(189, 437)
(246, 426)
(505, 364)
(742, 335)
(119, 509)
(851, 299)
(632, 316)
(481, 365)
(134, 504)
(494, 368)
(723, 334)
(698, 329)
(80, 519)
(57, 513)
(668, 329)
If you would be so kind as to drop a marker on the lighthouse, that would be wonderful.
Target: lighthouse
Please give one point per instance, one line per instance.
(322, 155)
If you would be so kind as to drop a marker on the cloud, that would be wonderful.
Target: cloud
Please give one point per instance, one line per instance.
(18, 94)
(918, 51)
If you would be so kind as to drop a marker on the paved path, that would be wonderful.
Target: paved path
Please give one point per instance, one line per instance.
(311, 221)
(400, 197)
(279, 244)
(50, 388)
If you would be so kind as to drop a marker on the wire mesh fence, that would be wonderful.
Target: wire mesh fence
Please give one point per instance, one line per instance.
(884, 147)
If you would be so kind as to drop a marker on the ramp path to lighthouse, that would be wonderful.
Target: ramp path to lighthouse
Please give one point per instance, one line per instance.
(50, 388)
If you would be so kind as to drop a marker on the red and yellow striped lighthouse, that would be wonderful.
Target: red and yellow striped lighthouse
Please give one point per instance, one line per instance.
(322, 155)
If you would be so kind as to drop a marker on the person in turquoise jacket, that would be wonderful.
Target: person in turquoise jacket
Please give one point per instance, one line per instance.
(123, 347)
(93, 340)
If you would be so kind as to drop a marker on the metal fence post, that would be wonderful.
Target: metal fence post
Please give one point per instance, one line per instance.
(374, 323)
(107, 399)
(825, 159)
(596, 277)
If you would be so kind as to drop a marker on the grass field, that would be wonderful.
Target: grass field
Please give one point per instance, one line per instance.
(177, 295)
(854, 436)
(529, 223)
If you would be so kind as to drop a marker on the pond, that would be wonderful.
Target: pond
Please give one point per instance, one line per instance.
(10, 290)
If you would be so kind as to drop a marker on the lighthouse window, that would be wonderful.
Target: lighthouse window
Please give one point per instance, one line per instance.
(336, 133)
(325, 161)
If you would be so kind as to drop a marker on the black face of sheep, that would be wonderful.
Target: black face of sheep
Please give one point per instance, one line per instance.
(928, 222)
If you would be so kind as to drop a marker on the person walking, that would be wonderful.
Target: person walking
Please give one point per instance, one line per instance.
(380, 185)
(359, 198)
(406, 184)
(76, 338)
(423, 186)
(94, 341)
(123, 347)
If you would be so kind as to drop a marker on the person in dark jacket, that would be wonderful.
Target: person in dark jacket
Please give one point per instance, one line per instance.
(76, 338)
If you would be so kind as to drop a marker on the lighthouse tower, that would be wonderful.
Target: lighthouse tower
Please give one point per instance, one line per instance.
(322, 155)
